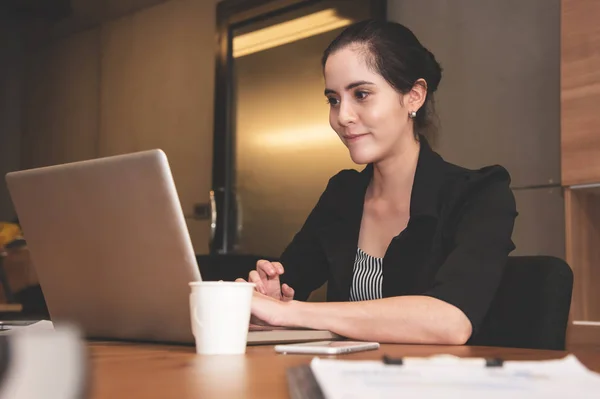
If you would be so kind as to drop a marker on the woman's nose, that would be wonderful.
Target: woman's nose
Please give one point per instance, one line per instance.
(346, 114)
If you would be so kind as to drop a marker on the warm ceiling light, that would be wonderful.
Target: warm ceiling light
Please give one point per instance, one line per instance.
(287, 32)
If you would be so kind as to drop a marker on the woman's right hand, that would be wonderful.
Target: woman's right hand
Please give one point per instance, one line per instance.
(266, 278)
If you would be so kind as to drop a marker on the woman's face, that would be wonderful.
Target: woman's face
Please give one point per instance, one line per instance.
(366, 112)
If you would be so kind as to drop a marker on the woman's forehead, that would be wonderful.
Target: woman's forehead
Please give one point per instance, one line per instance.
(348, 65)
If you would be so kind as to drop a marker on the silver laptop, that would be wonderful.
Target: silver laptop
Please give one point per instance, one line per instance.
(112, 251)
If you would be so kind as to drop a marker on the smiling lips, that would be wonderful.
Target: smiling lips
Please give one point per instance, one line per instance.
(351, 138)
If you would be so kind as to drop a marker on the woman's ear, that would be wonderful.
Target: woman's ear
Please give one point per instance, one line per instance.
(416, 96)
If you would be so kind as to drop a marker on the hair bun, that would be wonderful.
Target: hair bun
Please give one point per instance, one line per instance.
(433, 71)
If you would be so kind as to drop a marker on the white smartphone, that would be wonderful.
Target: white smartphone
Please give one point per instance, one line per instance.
(327, 347)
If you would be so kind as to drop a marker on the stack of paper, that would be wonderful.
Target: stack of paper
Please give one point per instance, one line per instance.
(452, 377)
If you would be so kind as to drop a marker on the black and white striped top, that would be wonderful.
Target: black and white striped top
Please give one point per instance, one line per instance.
(368, 277)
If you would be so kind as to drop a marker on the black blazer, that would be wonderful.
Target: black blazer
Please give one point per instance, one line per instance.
(454, 247)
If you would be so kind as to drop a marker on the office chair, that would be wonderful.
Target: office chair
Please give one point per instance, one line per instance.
(531, 306)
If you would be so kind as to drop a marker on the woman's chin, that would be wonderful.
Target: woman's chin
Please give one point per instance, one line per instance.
(362, 156)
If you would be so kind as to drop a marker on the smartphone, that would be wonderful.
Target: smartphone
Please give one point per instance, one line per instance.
(327, 347)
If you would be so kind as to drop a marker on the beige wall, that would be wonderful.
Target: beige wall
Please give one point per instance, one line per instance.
(124, 76)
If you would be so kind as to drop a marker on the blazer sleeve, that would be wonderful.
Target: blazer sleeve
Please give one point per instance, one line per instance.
(304, 261)
(471, 273)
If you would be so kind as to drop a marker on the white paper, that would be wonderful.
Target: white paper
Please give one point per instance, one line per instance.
(451, 377)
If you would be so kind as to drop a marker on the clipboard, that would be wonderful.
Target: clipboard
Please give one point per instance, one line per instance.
(302, 383)
(447, 375)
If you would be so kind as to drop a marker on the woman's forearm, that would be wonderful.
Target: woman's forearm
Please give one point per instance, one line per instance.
(406, 319)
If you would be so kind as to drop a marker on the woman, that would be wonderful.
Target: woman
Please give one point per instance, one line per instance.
(413, 248)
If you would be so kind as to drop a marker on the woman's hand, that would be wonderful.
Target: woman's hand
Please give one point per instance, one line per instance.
(271, 312)
(266, 278)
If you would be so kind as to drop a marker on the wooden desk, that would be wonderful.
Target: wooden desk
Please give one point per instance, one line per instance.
(152, 371)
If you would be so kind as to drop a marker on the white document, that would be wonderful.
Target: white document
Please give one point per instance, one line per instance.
(451, 377)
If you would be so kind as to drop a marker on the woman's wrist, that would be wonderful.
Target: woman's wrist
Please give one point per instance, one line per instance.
(300, 314)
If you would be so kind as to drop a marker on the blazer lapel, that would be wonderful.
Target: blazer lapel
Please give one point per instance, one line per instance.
(340, 238)
(405, 262)
(339, 242)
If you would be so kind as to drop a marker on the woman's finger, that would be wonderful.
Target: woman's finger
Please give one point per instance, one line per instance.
(287, 293)
(278, 267)
(265, 267)
(240, 280)
(254, 277)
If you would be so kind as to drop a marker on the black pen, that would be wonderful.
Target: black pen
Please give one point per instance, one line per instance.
(487, 362)
(392, 361)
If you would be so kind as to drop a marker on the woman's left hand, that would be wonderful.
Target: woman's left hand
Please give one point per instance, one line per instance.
(270, 311)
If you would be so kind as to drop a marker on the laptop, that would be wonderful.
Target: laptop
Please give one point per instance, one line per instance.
(112, 251)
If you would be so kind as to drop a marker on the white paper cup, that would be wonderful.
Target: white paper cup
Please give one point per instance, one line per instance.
(220, 315)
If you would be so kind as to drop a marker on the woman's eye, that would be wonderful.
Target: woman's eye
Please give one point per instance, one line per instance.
(361, 95)
(332, 101)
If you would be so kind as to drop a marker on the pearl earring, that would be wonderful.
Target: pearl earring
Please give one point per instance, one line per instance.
(412, 114)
